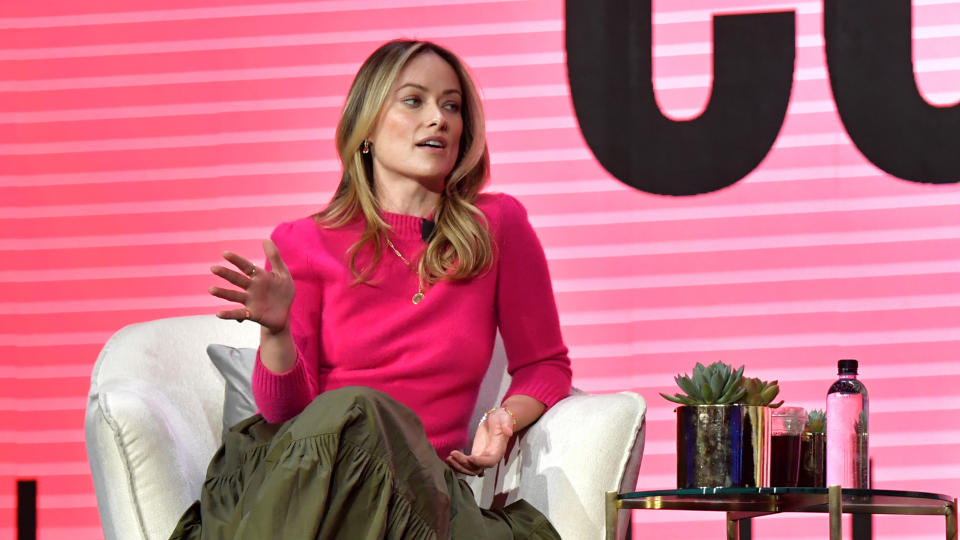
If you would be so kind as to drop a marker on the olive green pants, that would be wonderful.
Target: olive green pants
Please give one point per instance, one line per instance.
(355, 464)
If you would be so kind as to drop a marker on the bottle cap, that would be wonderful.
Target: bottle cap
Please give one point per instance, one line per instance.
(847, 367)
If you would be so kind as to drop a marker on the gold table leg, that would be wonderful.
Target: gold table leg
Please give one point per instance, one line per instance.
(733, 528)
(835, 504)
(952, 520)
(612, 505)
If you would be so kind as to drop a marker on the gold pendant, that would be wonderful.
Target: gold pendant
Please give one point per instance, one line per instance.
(417, 298)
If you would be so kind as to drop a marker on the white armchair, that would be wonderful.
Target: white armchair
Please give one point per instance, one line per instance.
(155, 416)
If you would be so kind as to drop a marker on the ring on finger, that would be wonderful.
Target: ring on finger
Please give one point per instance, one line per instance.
(246, 314)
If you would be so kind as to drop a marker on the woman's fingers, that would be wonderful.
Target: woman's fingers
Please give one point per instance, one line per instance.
(471, 463)
(232, 276)
(244, 265)
(229, 294)
(483, 461)
(462, 463)
(268, 294)
(456, 466)
(241, 314)
(273, 255)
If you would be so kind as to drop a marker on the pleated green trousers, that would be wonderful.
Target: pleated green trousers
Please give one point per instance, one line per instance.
(355, 464)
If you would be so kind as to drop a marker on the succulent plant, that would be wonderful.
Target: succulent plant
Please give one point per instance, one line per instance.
(816, 422)
(759, 392)
(716, 384)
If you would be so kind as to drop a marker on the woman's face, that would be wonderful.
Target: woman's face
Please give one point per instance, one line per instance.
(417, 135)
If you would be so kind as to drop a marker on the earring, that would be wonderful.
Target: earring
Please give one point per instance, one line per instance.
(365, 147)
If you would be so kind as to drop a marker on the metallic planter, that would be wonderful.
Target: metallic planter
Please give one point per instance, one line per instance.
(723, 446)
(813, 460)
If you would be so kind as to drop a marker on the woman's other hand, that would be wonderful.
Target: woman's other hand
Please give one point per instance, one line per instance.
(266, 296)
(489, 444)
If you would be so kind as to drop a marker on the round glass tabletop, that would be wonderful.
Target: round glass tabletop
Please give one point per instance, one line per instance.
(786, 496)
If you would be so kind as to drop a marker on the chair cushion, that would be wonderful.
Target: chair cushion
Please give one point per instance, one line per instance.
(236, 366)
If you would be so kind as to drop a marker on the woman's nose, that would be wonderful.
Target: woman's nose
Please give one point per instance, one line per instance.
(436, 117)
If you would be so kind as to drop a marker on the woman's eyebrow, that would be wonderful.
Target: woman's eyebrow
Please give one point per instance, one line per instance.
(424, 89)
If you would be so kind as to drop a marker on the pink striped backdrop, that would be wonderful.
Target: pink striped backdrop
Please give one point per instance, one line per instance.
(139, 138)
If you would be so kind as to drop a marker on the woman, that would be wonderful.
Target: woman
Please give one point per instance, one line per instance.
(378, 317)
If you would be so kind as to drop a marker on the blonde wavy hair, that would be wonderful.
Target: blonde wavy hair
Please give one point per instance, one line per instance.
(460, 246)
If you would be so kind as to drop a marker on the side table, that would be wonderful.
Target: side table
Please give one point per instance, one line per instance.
(743, 504)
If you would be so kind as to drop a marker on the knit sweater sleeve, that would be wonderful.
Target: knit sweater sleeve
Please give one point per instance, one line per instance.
(281, 396)
(527, 312)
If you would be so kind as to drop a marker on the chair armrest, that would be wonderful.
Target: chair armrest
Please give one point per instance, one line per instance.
(153, 420)
(583, 447)
(148, 461)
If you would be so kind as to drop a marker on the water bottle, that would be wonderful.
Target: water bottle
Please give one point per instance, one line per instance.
(848, 415)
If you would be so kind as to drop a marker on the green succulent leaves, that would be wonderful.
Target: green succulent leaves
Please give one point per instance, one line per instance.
(761, 392)
(719, 384)
(816, 422)
(716, 384)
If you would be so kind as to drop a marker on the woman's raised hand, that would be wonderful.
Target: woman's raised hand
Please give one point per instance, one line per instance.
(266, 296)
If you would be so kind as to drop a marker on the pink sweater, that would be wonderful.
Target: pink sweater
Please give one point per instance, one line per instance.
(431, 356)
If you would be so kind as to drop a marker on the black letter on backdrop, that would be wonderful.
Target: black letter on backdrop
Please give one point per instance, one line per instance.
(870, 58)
(610, 67)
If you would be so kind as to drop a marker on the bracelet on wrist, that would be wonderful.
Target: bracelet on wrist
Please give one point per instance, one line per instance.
(491, 411)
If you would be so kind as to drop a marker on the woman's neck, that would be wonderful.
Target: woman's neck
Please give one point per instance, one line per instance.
(409, 198)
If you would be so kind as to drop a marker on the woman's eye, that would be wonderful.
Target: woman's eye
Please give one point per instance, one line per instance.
(453, 107)
(412, 101)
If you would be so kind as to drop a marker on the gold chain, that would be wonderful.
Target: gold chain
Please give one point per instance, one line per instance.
(419, 296)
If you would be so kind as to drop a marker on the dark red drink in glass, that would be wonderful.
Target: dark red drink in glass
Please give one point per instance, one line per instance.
(784, 460)
(786, 425)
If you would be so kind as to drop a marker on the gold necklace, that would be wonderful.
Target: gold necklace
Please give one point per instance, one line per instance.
(419, 296)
